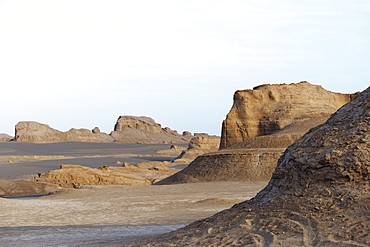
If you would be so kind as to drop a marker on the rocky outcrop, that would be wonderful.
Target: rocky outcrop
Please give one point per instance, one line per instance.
(72, 176)
(254, 159)
(270, 108)
(26, 188)
(128, 129)
(319, 194)
(197, 146)
(145, 130)
(41, 133)
(5, 137)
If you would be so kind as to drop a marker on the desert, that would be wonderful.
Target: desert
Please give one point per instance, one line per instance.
(282, 172)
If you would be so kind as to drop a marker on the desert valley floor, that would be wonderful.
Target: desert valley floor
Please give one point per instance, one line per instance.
(103, 215)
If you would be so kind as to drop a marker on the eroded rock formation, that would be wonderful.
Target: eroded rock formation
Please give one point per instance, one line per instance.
(295, 109)
(128, 129)
(72, 176)
(41, 133)
(197, 146)
(319, 194)
(269, 108)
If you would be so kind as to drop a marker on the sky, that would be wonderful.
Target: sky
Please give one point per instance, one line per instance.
(84, 63)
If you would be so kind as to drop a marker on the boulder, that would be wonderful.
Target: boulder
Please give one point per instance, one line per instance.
(255, 155)
(318, 195)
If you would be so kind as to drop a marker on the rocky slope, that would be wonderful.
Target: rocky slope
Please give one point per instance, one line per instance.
(294, 109)
(319, 194)
(128, 129)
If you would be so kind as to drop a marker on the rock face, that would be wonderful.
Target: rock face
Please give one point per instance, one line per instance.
(25, 188)
(5, 137)
(42, 133)
(269, 108)
(72, 176)
(128, 129)
(255, 159)
(319, 194)
(145, 130)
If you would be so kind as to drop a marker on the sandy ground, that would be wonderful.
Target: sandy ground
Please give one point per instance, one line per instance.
(167, 206)
(103, 215)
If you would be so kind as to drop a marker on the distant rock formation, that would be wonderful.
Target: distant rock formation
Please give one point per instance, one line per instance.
(319, 194)
(5, 137)
(270, 108)
(72, 176)
(41, 133)
(197, 146)
(26, 188)
(128, 129)
(289, 110)
(131, 129)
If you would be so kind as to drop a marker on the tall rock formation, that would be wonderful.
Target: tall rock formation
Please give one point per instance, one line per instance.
(319, 194)
(269, 108)
(268, 119)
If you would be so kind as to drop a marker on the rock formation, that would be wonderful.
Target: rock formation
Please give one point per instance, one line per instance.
(42, 133)
(197, 146)
(145, 130)
(319, 194)
(128, 129)
(269, 108)
(294, 109)
(25, 188)
(5, 137)
(72, 176)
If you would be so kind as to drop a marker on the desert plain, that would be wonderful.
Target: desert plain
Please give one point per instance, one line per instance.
(106, 214)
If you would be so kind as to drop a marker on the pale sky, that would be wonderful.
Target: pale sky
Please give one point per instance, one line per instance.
(83, 63)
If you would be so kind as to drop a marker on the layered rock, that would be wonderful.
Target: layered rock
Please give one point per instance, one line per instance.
(26, 188)
(5, 137)
(269, 108)
(41, 133)
(72, 176)
(255, 158)
(318, 195)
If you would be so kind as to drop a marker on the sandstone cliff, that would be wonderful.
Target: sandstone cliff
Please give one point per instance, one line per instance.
(289, 110)
(269, 108)
(318, 195)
